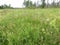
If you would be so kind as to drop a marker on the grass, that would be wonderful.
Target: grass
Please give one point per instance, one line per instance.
(30, 26)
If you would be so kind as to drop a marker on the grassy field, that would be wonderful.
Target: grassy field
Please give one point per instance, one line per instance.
(30, 26)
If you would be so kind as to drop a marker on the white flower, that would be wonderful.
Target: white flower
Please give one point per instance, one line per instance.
(47, 19)
(43, 29)
(53, 22)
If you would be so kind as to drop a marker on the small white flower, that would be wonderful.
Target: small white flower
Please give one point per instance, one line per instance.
(47, 19)
(43, 29)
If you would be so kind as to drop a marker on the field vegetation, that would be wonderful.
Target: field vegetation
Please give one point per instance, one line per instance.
(30, 26)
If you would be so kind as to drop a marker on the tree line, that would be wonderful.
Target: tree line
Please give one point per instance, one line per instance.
(38, 4)
(43, 4)
(5, 6)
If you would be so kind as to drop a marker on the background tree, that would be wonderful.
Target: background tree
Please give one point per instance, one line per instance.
(29, 4)
(59, 3)
(5, 6)
(1, 7)
(47, 3)
(43, 3)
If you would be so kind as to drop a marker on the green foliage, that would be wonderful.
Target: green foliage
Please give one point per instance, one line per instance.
(43, 3)
(30, 27)
(29, 4)
(5, 6)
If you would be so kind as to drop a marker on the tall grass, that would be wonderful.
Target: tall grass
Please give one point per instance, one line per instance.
(30, 27)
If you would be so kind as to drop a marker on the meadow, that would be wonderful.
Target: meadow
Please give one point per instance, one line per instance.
(30, 26)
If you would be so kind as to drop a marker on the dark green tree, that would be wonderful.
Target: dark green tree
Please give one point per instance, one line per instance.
(5, 6)
(1, 7)
(28, 4)
(43, 3)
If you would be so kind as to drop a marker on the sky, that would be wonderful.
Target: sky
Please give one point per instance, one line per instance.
(17, 3)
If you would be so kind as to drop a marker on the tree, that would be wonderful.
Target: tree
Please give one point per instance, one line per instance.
(5, 6)
(1, 7)
(43, 3)
(53, 4)
(28, 3)
(47, 3)
(57, 3)
(34, 5)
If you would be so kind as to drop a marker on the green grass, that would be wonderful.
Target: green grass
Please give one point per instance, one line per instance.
(30, 26)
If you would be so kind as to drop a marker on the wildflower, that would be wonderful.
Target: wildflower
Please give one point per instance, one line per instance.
(47, 19)
(43, 29)
(52, 23)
